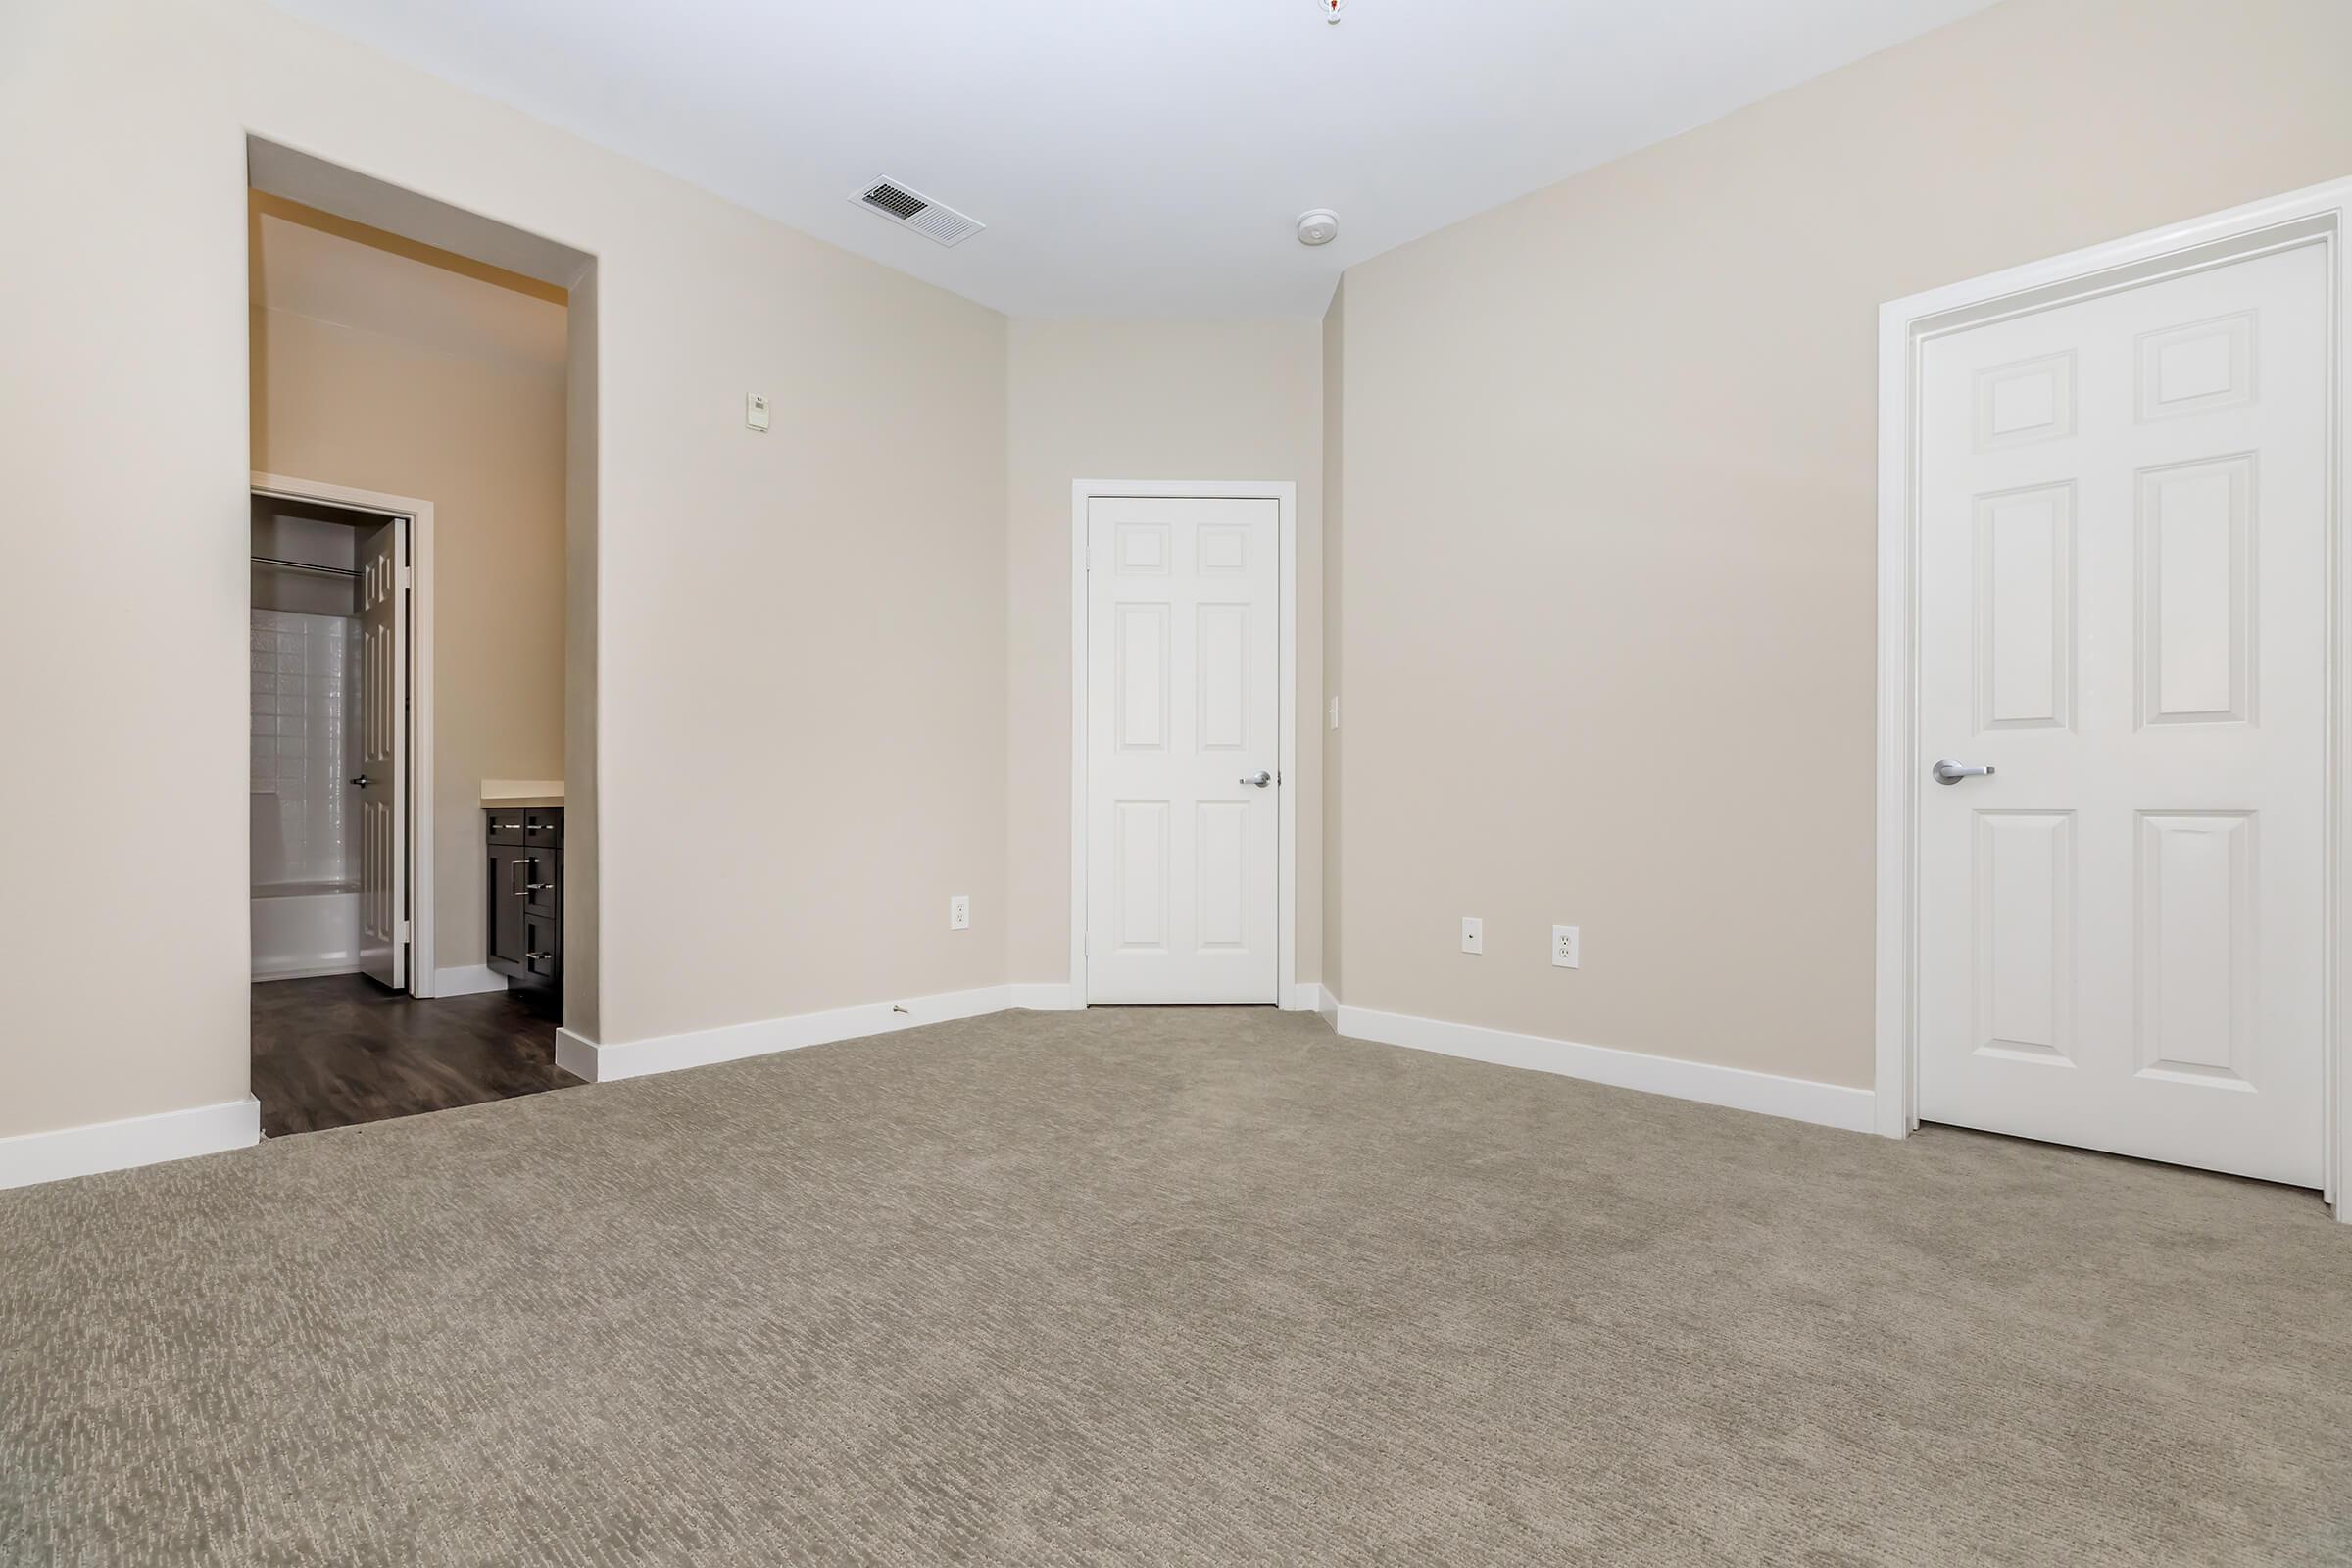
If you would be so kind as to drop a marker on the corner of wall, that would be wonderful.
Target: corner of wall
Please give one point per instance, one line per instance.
(1335, 468)
(583, 868)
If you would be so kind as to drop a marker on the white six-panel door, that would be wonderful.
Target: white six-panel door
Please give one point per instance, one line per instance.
(379, 747)
(1183, 704)
(2121, 612)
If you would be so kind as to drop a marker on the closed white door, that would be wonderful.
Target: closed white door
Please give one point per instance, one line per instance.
(2123, 607)
(380, 783)
(1183, 701)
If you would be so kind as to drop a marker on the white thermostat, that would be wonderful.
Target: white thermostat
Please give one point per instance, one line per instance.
(754, 411)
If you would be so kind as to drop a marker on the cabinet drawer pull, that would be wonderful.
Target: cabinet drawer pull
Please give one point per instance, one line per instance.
(534, 958)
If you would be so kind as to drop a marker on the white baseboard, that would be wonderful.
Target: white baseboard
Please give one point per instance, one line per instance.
(31, 1157)
(576, 1053)
(467, 980)
(1327, 1006)
(1798, 1098)
(603, 1063)
(302, 969)
(1307, 995)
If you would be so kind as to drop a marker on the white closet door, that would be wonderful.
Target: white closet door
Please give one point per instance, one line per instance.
(2122, 581)
(380, 745)
(1183, 821)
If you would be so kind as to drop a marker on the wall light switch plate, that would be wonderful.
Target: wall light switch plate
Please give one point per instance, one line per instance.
(960, 913)
(1565, 943)
(754, 411)
(1474, 934)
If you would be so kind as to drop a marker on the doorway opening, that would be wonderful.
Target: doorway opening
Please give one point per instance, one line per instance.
(340, 722)
(416, 568)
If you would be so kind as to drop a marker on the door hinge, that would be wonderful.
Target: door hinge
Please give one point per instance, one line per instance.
(404, 579)
(404, 931)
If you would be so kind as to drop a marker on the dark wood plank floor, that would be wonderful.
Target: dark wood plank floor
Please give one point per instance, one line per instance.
(332, 1051)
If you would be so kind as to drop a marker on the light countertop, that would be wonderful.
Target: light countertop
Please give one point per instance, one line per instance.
(523, 792)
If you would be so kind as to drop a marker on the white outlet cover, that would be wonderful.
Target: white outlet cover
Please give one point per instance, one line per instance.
(754, 411)
(960, 913)
(1474, 934)
(1567, 944)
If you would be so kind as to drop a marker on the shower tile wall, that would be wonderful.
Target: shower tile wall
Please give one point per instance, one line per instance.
(299, 797)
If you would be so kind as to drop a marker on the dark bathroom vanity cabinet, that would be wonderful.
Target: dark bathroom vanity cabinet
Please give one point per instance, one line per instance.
(526, 893)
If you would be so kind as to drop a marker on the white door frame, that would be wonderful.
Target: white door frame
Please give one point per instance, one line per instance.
(422, 967)
(2316, 216)
(1286, 852)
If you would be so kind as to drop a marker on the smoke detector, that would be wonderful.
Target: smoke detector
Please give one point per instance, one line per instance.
(911, 208)
(1318, 225)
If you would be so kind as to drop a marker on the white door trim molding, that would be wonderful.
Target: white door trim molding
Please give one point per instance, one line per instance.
(422, 975)
(1286, 916)
(29, 1158)
(2312, 216)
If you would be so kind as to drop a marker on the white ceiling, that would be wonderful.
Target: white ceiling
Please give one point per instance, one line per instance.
(1130, 157)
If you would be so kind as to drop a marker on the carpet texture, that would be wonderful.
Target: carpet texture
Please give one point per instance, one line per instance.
(1185, 1286)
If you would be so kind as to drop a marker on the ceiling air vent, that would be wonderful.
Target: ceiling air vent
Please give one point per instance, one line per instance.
(914, 210)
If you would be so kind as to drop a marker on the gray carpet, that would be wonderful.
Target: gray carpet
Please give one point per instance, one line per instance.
(1164, 1287)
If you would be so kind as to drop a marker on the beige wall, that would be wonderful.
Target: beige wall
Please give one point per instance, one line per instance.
(1140, 400)
(583, 925)
(1333, 371)
(482, 439)
(120, 1006)
(1607, 462)
(1609, 467)
(799, 755)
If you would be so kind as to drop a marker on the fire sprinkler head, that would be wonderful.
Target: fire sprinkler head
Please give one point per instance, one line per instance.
(1331, 10)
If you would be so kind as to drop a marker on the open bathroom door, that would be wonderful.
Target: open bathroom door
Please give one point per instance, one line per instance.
(379, 786)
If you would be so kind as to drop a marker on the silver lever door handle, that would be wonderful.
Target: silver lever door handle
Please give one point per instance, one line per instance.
(1259, 779)
(1952, 771)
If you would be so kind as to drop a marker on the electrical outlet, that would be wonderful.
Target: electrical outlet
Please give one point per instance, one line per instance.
(960, 913)
(1474, 934)
(1564, 944)
(754, 411)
